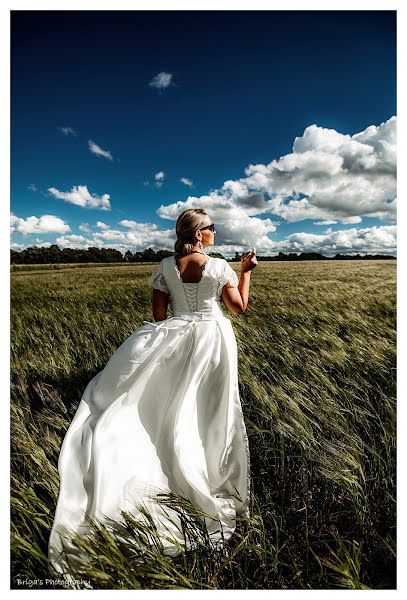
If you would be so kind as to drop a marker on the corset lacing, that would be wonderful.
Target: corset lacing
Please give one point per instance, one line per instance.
(191, 293)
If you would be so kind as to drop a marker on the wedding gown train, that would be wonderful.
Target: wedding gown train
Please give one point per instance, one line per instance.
(164, 414)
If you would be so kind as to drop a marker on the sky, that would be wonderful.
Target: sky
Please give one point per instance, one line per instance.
(281, 124)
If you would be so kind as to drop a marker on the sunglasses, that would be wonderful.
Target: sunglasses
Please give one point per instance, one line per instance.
(211, 227)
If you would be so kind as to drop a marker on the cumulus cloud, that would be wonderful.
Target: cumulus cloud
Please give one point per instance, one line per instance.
(73, 241)
(147, 235)
(43, 244)
(161, 81)
(136, 224)
(17, 247)
(109, 234)
(84, 227)
(186, 181)
(67, 131)
(43, 224)
(136, 237)
(369, 240)
(80, 196)
(329, 177)
(102, 225)
(332, 176)
(32, 187)
(159, 178)
(95, 149)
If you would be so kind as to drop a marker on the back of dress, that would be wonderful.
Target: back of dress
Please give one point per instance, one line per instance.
(200, 297)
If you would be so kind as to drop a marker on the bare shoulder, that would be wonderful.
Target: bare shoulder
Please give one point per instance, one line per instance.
(186, 259)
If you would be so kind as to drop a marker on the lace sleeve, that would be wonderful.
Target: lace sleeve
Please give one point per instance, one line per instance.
(227, 275)
(157, 280)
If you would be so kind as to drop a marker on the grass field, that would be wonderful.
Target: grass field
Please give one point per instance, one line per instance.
(317, 377)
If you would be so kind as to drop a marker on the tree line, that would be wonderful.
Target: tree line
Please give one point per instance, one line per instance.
(54, 255)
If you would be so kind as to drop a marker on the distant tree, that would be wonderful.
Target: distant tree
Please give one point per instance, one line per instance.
(148, 255)
(16, 258)
(310, 256)
(35, 255)
(53, 254)
(163, 254)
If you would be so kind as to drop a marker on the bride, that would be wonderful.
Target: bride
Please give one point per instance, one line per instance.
(164, 413)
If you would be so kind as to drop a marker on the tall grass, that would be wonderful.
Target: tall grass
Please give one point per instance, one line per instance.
(317, 359)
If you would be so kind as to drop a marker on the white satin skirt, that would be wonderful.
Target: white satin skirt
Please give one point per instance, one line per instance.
(163, 415)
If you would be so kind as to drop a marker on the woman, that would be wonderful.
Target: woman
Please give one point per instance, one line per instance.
(164, 413)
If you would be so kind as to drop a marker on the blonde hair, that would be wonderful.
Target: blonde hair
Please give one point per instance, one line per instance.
(188, 222)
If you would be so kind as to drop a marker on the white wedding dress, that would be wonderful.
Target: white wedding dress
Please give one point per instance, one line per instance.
(164, 414)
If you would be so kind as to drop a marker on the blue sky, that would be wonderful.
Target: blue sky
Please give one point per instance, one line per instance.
(281, 124)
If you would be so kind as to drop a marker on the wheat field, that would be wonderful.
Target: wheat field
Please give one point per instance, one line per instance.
(317, 379)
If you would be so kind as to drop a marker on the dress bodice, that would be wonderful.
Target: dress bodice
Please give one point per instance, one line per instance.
(203, 296)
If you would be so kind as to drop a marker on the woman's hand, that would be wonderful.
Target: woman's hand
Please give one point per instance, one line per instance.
(249, 261)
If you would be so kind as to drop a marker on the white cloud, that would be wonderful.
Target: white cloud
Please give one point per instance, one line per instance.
(159, 179)
(72, 241)
(67, 131)
(328, 222)
(145, 235)
(43, 224)
(140, 236)
(136, 224)
(329, 177)
(43, 244)
(369, 240)
(102, 225)
(161, 81)
(80, 196)
(109, 234)
(32, 187)
(332, 176)
(186, 181)
(95, 149)
(84, 227)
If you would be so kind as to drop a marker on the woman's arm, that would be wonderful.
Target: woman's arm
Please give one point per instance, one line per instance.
(160, 302)
(236, 298)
